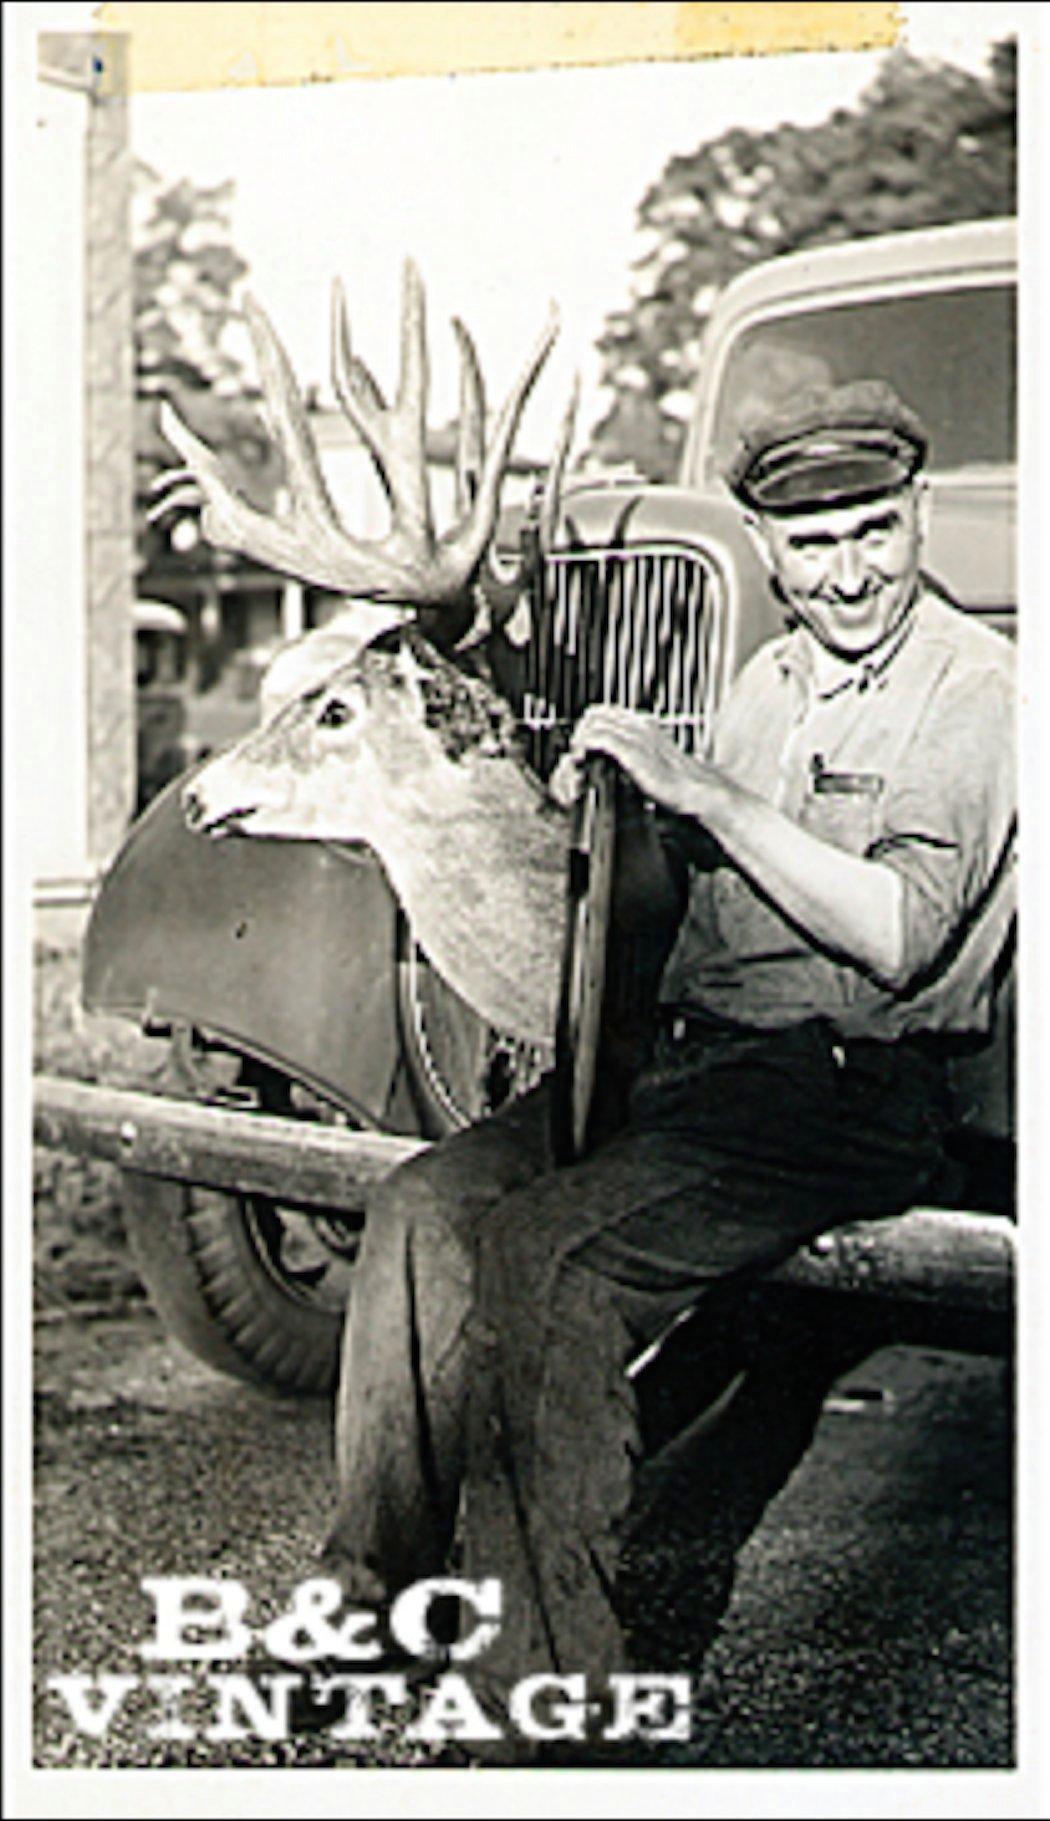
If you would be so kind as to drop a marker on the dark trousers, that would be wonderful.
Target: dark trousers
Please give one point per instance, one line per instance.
(498, 1303)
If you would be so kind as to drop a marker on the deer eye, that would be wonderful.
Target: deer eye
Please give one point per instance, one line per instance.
(335, 713)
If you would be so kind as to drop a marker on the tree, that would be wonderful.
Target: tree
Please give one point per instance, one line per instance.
(186, 274)
(927, 144)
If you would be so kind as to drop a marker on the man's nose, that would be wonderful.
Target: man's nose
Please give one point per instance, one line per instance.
(847, 570)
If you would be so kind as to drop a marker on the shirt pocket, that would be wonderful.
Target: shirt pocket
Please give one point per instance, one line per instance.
(844, 808)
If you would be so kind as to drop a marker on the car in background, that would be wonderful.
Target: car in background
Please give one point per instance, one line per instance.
(162, 748)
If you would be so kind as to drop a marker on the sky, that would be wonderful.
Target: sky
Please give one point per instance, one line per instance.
(508, 190)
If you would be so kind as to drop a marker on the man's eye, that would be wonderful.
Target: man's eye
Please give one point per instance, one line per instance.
(335, 713)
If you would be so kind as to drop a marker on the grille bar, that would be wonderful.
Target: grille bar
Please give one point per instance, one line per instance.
(641, 628)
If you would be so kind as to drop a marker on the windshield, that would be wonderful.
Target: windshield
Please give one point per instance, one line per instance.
(947, 354)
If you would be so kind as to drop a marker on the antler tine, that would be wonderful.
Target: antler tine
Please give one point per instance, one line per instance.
(550, 504)
(356, 389)
(314, 551)
(470, 439)
(501, 582)
(406, 424)
(395, 437)
(189, 495)
(470, 539)
(414, 377)
(288, 419)
(222, 518)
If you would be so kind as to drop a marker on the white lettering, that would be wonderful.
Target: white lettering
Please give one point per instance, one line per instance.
(358, 1720)
(169, 1690)
(304, 1631)
(450, 1711)
(410, 1616)
(240, 1695)
(77, 1690)
(184, 1601)
(655, 1707)
(568, 1718)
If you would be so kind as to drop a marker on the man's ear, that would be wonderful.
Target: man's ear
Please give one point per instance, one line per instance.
(923, 507)
(758, 532)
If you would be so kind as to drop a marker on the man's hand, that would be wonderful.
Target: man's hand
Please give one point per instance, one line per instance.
(849, 905)
(644, 749)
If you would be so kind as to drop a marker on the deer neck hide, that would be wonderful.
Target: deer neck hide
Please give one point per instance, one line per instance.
(475, 849)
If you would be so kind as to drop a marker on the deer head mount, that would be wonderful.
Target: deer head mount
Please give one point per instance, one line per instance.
(373, 736)
(399, 750)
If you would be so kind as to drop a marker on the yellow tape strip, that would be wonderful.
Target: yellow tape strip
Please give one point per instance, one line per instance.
(212, 45)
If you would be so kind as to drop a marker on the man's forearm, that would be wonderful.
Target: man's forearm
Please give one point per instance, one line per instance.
(843, 902)
(846, 903)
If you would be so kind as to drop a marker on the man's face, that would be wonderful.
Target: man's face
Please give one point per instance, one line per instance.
(848, 571)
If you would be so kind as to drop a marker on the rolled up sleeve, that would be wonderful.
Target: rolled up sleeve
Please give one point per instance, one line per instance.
(949, 817)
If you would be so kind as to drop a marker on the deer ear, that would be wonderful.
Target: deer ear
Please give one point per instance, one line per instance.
(301, 665)
(407, 644)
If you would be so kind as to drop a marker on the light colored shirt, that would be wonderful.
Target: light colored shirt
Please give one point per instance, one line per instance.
(907, 758)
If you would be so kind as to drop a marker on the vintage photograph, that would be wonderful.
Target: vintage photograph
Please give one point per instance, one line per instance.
(520, 903)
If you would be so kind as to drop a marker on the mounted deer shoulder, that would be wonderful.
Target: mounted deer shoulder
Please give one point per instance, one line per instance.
(372, 734)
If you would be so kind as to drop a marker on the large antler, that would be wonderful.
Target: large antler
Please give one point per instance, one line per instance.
(411, 565)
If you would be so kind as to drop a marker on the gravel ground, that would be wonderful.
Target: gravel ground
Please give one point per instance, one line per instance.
(870, 1625)
(871, 1620)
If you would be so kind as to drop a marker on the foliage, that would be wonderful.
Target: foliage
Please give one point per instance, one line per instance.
(927, 144)
(186, 274)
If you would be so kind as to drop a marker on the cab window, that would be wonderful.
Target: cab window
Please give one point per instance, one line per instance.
(950, 354)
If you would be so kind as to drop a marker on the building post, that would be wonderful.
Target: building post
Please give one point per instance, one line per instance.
(96, 65)
(109, 454)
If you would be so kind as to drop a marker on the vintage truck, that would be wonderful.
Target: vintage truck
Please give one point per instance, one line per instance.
(285, 977)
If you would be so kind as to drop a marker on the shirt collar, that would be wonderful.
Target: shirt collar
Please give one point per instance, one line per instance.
(827, 676)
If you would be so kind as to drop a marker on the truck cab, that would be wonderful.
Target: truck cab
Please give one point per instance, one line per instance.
(654, 596)
(934, 313)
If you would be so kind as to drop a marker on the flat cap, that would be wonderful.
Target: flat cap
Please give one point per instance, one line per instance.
(827, 446)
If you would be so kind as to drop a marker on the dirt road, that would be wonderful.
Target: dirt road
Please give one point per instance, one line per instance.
(870, 1625)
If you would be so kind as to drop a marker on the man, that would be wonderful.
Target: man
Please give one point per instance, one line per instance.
(856, 815)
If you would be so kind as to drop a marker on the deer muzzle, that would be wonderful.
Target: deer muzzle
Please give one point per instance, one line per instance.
(204, 821)
(221, 800)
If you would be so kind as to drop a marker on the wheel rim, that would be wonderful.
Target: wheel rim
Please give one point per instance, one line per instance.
(309, 1258)
(467, 1067)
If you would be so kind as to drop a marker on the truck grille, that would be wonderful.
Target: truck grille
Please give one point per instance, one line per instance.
(641, 627)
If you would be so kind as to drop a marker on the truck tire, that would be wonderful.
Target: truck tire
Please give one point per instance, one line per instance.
(226, 1282)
